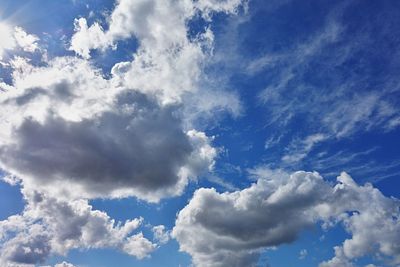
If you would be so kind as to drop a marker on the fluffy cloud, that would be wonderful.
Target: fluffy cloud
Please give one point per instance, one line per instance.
(157, 26)
(28, 42)
(232, 228)
(168, 62)
(13, 38)
(374, 223)
(68, 134)
(66, 125)
(50, 226)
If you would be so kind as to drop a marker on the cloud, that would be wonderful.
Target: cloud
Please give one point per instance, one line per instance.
(27, 247)
(66, 125)
(7, 40)
(87, 38)
(161, 235)
(232, 228)
(374, 223)
(68, 134)
(168, 61)
(64, 264)
(299, 149)
(28, 42)
(303, 254)
(16, 37)
(49, 226)
(338, 261)
(310, 87)
(157, 26)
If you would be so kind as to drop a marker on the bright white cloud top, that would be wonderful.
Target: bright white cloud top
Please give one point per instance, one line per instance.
(12, 38)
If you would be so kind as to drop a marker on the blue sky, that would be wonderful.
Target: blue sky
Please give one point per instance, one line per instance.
(199, 133)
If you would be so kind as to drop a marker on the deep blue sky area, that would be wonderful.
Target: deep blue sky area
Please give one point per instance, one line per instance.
(317, 88)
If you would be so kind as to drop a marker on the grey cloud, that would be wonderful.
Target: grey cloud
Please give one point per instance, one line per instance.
(232, 228)
(30, 247)
(138, 145)
(68, 131)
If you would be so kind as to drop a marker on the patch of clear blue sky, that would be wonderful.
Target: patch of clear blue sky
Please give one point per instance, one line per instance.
(365, 59)
(11, 200)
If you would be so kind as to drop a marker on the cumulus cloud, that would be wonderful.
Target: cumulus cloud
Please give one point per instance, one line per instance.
(86, 38)
(16, 37)
(50, 226)
(232, 228)
(68, 134)
(339, 260)
(158, 26)
(66, 125)
(168, 62)
(28, 42)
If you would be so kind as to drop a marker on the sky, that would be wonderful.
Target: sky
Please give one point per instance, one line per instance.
(199, 133)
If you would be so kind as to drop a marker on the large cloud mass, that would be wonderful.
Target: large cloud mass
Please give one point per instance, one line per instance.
(229, 229)
(79, 132)
(67, 130)
(70, 133)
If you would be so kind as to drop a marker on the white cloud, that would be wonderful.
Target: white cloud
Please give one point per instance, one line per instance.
(12, 38)
(138, 246)
(338, 261)
(374, 223)
(299, 149)
(7, 39)
(68, 134)
(232, 228)
(86, 38)
(161, 235)
(64, 264)
(167, 62)
(95, 139)
(50, 226)
(28, 42)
